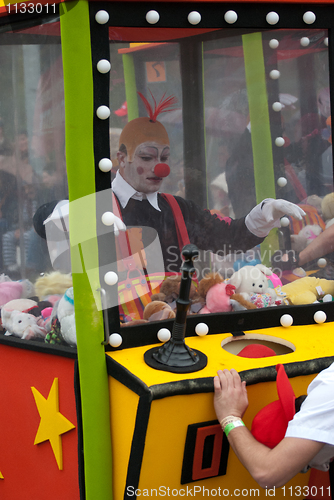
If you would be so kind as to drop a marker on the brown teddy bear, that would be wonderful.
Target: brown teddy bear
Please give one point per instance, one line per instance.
(170, 288)
(157, 310)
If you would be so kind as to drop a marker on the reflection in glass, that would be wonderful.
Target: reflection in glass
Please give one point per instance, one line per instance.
(231, 145)
(217, 101)
(301, 99)
(32, 136)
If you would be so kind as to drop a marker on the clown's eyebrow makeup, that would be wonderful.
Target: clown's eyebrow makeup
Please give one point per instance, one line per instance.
(149, 151)
(154, 152)
(165, 152)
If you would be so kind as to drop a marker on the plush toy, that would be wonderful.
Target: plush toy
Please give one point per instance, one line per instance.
(45, 320)
(327, 207)
(219, 296)
(274, 281)
(20, 317)
(305, 236)
(23, 325)
(315, 201)
(170, 289)
(239, 303)
(51, 284)
(10, 290)
(252, 283)
(61, 321)
(66, 317)
(23, 305)
(157, 310)
(216, 294)
(169, 292)
(307, 290)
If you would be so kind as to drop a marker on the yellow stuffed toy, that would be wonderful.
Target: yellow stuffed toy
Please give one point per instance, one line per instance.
(307, 290)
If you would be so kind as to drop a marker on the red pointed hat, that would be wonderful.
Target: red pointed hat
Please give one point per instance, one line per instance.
(270, 424)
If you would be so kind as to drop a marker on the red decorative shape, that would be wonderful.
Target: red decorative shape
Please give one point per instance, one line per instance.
(20, 369)
(202, 433)
(269, 424)
(161, 170)
(230, 290)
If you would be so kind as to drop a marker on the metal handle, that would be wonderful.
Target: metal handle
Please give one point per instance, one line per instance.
(105, 316)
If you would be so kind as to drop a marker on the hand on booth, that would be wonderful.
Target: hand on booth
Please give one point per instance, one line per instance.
(230, 398)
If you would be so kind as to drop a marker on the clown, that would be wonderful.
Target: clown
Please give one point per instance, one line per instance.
(143, 156)
(152, 227)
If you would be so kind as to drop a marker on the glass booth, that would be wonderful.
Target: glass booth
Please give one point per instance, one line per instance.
(248, 118)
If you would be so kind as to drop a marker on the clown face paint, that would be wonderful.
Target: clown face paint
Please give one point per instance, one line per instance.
(140, 172)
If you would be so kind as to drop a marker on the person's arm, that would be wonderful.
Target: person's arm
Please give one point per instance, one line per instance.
(208, 232)
(269, 467)
(321, 245)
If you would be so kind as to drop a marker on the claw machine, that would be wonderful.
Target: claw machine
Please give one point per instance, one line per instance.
(112, 392)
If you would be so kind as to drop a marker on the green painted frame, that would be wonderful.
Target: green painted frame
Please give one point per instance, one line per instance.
(79, 112)
(261, 135)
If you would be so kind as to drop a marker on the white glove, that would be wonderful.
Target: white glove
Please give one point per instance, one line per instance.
(265, 216)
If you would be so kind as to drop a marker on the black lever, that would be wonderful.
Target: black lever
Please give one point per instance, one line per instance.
(175, 355)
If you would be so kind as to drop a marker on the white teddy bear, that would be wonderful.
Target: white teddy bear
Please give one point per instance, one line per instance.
(252, 283)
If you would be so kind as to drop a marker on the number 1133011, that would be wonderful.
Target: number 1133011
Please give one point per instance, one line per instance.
(300, 491)
(31, 8)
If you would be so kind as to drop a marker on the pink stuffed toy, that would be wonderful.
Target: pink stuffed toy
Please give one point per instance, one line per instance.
(215, 293)
(219, 296)
(11, 290)
(218, 299)
(45, 320)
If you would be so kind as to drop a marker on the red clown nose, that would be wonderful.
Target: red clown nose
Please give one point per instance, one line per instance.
(161, 170)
